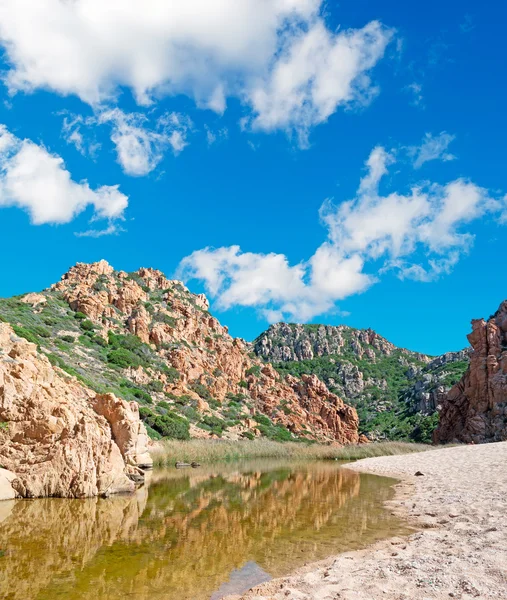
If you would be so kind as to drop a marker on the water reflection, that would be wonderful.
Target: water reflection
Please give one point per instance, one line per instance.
(191, 535)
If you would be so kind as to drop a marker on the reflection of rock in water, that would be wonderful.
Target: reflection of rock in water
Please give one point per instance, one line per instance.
(195, 530)
(47, 538)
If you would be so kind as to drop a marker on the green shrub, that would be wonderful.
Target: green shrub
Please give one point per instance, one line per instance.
(142, 395)
(255, 370)
(68, 338)
(201, 390)
(87, 325)
(123, 358)
(79, 316)
(213, 424)
(243, 384)
(170, 426)
(156, 386)
(25, 333)
(171, 373)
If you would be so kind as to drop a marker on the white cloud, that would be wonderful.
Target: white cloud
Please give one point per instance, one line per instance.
(72, 131)
(415, 89)
(277, 56)
(315, 74)
(419, 234)
(432, 148)
(139, 148)
(213, 136)
(33, 179)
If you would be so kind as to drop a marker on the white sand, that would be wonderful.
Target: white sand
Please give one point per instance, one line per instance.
(460, 551)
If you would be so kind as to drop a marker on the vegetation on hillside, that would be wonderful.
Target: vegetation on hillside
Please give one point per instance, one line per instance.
(72, 343)
(380, 398)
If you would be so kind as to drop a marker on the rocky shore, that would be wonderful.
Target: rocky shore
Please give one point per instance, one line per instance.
(458, 548)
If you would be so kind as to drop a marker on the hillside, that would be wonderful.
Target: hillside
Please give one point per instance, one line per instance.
(143, 337)
(395, 391)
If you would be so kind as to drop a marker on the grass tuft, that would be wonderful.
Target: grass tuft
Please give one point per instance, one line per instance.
(167, 452)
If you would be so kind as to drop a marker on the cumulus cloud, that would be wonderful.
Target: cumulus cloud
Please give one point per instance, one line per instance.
(315, 74)
(140, 148)
(277, 56)
(35, 180)
(140, 145)
(432, 148)
(417, 234)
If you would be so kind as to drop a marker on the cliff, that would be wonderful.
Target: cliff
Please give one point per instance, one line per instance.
(475, 409)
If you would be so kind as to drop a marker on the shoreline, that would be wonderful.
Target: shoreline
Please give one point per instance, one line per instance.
(458, 551)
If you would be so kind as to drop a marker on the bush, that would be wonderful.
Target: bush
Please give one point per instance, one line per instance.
(156, 386)
(170, 426)
(171, 373)
(201, 390)
(123, 358)
(79, 316)
(255, 370)
(213, 424)
(25, 333)
(87, 325)
(142, 395)
(68, 338)
(243, 384)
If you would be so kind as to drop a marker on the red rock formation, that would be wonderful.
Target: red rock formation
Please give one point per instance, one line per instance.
(53, 436)
(475, 409)
(186, 337)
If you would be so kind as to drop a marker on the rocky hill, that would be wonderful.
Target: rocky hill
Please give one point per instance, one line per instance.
(475, 409)
(395, 391)
(144, 338)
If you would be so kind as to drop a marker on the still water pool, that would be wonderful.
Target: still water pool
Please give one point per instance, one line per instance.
(190, 534)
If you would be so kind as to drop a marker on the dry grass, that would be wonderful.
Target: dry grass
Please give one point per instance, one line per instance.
(210, 451)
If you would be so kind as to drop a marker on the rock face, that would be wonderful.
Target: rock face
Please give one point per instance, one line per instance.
(147, 338)
(393, 389)
(433, 381)
(52, 435)
(475, 409)
(295, 342)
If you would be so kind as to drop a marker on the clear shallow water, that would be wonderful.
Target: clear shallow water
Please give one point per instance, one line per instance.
(190, 534)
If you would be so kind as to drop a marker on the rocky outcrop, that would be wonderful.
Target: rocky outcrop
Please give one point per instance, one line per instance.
(475, 409)
(432, 382)
(146, 337)
(58, 437)
(7, 491)
(296, 342)
(308, 404)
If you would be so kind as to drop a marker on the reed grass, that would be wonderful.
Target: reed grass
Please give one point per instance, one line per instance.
(168, 452)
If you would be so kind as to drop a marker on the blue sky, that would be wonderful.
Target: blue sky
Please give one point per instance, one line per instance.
(294, 159)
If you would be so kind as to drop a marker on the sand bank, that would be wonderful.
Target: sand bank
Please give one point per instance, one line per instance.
(458, 505)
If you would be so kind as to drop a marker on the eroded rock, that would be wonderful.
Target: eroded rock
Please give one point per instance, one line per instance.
(475, 409)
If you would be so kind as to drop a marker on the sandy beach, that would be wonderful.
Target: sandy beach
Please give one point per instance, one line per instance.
(459, 550)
